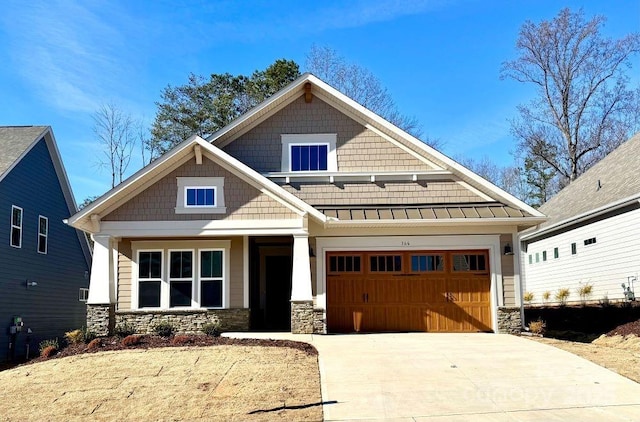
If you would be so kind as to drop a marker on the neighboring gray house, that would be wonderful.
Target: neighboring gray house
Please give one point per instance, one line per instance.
(592, 236)
(44, 264)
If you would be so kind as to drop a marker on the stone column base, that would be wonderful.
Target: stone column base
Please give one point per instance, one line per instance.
(509, 320)
(302, 317)
(319, 321)
(101, 319)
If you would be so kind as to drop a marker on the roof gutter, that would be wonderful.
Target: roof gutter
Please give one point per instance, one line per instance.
(333, 222)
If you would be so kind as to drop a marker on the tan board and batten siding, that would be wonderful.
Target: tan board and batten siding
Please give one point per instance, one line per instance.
(236, 271)
(158, 202)
(358, 149)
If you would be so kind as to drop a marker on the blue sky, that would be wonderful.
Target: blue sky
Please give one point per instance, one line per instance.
(440, 59)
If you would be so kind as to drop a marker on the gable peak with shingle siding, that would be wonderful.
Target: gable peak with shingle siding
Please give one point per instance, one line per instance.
(391, 133)
(614, 178)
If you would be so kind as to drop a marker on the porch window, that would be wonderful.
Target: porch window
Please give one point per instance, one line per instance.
(211, 278)
(16, 227)
(180, 278)
(149, 278)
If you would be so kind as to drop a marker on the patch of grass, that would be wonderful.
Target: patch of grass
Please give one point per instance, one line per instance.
(546, 296)
(74, 337)
(537, 327)
(585, 291)
(528, 297)
(562, 295)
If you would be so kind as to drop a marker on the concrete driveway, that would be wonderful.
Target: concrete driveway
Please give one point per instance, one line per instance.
(464, 377)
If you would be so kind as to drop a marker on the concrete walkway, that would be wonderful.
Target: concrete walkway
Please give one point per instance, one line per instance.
(463, 377)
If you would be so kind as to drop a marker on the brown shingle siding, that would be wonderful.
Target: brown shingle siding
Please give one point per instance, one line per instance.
(358, 148)
(158, 202)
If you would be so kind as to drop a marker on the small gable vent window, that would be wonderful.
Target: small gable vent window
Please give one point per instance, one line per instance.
(200, 195)
(309, 152)
(590, 241)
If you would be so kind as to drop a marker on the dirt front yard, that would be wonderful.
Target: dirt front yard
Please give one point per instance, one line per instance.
(216, 383)
(618, 353)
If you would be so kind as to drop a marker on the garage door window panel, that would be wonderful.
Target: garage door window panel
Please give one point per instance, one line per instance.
(345, 264)
(469, 262)
(385, 263)
(427, 263)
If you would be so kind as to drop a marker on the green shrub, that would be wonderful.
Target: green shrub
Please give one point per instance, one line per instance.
(528, 297)
(88, 335)
(562, 295)
(124, 330)
(74, 337)
(49, 347)
(212, 329)
(164, 329)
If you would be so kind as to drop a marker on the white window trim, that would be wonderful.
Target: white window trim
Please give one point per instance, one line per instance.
(201, 279)
(19, 245)
(134, 276)
(45, 235)
(194, 267)
(184, 183)
(180, 245)
(330, 139)
(83, 294)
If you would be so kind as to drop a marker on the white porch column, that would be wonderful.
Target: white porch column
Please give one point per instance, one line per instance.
(301, 276)
(102, 285)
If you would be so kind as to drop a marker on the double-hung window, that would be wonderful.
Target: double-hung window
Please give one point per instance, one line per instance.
(180, 278)
(211, 278)
(149, 278)
(16, 226)
(43, 234)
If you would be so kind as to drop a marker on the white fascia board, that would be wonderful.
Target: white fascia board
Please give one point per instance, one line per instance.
(202, 228)
(581, 217)
(98, 206)
(443, 222)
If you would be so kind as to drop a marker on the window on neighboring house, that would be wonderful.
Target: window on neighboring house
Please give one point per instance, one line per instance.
(16, 226)
(309, 152)
(200, 195)
(589, 241)
(83, 294)
(537, 257)
(149, 278)
(574, 249)
(530, 259)
(556, 253)
(211, 278)
(544, 256)
(180, 278)
(43, 233)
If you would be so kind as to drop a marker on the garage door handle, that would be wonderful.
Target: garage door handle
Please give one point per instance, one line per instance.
(365, 297)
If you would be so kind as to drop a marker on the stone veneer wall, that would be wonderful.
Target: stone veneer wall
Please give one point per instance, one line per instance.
(319, 321)
(101, 319)
(509, 320)
(302, 317)
(188, 321)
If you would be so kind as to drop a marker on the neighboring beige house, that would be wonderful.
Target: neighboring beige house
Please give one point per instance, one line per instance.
(305, 214)
(592, 237)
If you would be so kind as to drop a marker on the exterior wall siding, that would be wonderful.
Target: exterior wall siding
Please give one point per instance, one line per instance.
(508, 273)
(158, 202)
(605, 264)
(236, 270)
(52, 307)
(358, 148)
(437, 192)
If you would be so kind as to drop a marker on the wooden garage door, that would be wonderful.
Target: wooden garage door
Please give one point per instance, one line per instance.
(434, 291)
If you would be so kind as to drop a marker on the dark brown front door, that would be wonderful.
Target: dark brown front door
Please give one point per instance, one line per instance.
(435, 291)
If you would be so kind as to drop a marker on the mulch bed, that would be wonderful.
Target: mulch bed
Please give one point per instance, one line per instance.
(154, 341)
(626, 329)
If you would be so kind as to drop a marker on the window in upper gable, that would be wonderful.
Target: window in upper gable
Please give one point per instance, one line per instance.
(200, 195)
(309, 152)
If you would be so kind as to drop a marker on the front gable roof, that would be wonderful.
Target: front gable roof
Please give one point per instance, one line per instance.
(370, 120)
(88, 219)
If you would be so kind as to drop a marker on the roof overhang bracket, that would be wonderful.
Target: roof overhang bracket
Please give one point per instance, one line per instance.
(197, 150)
(308, 96)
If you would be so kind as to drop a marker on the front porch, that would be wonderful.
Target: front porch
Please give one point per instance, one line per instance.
(252, 283)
